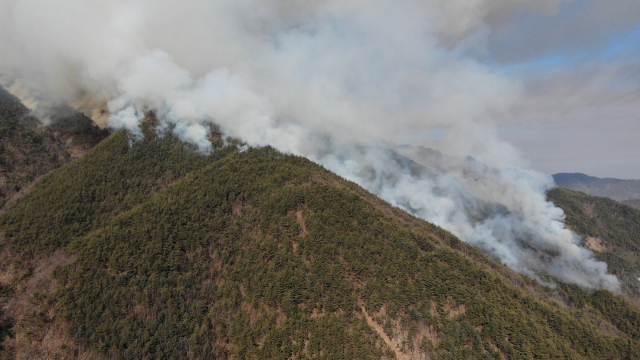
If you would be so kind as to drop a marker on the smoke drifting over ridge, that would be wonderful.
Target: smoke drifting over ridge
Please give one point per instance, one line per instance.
(337, 82)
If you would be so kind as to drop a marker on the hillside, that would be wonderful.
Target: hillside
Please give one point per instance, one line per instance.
(151, 250)
(28, 150)
(25, 152)
(615, 189)
(610, 229)
(633, 203)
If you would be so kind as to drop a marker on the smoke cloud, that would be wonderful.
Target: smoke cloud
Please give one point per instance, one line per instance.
(338, 82)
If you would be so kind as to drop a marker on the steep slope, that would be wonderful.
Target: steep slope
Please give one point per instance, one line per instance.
(609, 228)
(25, 152)
(80, 197)
(28, 150)
(158, 252)
(616, 189)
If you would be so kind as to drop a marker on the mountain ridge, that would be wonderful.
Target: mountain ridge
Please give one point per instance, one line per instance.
(29, 150)
(617, 189)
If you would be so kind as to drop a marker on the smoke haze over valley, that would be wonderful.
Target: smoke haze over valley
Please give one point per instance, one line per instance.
(365, 88)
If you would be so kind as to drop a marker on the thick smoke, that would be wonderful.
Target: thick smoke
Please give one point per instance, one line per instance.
(338, 82)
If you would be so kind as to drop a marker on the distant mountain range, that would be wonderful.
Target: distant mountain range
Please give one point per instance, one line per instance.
(627, 191)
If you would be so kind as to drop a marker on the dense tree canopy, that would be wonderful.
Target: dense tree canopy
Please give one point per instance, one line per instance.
(165, 253)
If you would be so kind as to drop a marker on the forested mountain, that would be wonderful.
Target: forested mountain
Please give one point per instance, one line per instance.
(616, 189)
(25, 152)
(147, 249)
(28, 150)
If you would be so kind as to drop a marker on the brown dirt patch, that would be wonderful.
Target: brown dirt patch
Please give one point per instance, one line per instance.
(238, 207)
(589, 209)
(392, 343)
(452, 310)
(317, 314)
(595, 244)
(17, 195)
(77, 151)
(403, 343)
(300, 219)
(433, 309)
(39, 281)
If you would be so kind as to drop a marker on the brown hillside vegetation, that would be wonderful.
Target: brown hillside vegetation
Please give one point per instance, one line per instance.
(28, 150)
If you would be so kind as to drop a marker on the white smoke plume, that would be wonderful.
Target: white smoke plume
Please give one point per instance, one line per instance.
(339, 82)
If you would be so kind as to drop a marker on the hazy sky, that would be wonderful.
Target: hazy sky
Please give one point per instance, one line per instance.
(559, 80)
(581, 73)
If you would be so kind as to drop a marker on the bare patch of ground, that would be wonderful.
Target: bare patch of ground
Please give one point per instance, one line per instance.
(594, 243)
(454, 311)
(17, 195)
(317, 314)
(77, 151)
(395, 345)
(589, 209)
(300, 219)
(404, 344)
(239, 206)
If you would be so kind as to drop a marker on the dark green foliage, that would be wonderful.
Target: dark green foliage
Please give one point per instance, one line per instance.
(89, 193)
(162, 256)
(6, 320)
(261, 255)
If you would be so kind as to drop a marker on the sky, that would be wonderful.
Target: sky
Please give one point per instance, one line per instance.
(580, 69)
(567, 71)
